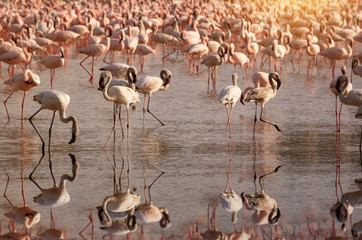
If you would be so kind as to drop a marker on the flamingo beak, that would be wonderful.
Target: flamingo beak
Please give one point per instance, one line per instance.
(74, 137)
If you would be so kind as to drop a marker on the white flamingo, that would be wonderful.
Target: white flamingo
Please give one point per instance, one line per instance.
(22, 82)
(229, 96)
(55, 100)
(149, 84)
(120, 95)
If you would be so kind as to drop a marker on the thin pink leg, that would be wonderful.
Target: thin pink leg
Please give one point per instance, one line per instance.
(6, 188)
(22, 106)
(7, 107)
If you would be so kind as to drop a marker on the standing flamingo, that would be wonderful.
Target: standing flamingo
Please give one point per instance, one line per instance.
(148, 85)
(332, 87)
(238, 58)
(118, 70)
(143, 50)
(211, 61)
(22, 82)
(120, 95)
(262, 95)
(94, 50)
(55, 100)
(16, 57)
(312, 51)
(53, 62)
(229, 96)
(338, 53)
(356, 68)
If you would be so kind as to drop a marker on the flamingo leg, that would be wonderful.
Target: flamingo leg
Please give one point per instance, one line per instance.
(84, 67)
(128, 122)
(149, 187)
(242, 68)
(292, 60)
(208, 81)
(148, 110)
(50, 131)
(114, 128)
(90, 222)
(7, 112)
(105, 56)
(261, 119)
(22, 106)
(227, 122)
(91, 78)
(52, 73)
(339, 116)
(120, 120)
(31, 122)
(316, 63)
(255, 117)
(52, 223)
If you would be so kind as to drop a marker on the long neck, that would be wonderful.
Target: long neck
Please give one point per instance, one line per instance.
(64, 119)
(342, 96)
(105, 90)
(27, 55)
(66, 177)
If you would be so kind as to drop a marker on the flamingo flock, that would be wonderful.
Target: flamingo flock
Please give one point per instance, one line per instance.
(217, 35)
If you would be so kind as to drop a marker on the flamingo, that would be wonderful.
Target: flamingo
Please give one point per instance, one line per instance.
(118, 70)
(52, 233)
(163, 39)
(16, 57)
(22, 215)
(143, 50)
(53, 62)
(262, 95)
(212, 233)
(332, 87)
(229, 96)
(211, 61)
(130, 45)
(338, 53)
(356, 67)
(94, 50)
(21, 82)
(238, 58)
(148, 85)
(120, 95)
(55, 100)
(313, 51)
(352, 97)
(252, 48)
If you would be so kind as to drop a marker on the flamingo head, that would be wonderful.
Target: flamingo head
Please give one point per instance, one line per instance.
(31, 218)
(165, 221)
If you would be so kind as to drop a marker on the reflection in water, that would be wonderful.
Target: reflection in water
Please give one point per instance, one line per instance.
(212, 233)
(149, 213)
(116, 210)
(230, 201)
(23, 215)
(265, 208)
(52, 233)
(57, 195)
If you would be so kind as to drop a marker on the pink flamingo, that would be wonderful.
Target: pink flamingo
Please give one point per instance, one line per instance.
(313, 51)
(94, 50)
(332, 87)
(338, 53)
(116, 44)
(130, 45)
(149, 84)
(53, 62)
(143, 50)
(211, 61)
(22, 82)
(238, 58)
(16, 57)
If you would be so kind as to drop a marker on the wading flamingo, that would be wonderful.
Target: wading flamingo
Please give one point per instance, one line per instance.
(55, 101)
(229, 96)
(22, 82)
(148, 85)
(53, 62)
(262, 95)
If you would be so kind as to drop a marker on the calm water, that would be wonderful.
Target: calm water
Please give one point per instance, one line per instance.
(190, 148)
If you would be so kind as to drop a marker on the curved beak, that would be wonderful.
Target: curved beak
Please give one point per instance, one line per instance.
(74, 137)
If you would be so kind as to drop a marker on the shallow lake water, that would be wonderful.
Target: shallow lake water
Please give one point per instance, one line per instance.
(191, 149)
